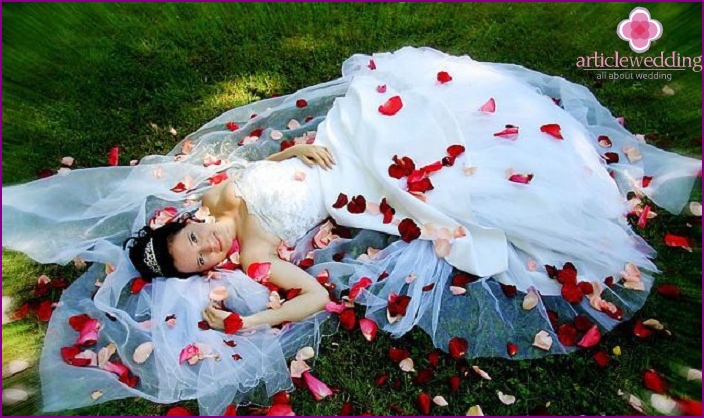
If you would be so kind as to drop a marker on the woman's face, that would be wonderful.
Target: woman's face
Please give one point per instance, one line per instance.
(200, 246)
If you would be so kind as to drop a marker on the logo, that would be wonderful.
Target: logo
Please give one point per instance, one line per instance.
(639, 30)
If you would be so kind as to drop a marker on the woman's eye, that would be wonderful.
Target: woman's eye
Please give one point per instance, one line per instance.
(193, 237)
(201, 260)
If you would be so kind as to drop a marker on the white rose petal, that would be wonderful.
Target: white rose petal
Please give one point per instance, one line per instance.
(543, 340)
(663, 404)
(406, 365)
(440, 401)
(506, 399)
(14, 396)
(143, 352)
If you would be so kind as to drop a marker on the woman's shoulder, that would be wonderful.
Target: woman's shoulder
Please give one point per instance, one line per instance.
(221, 198)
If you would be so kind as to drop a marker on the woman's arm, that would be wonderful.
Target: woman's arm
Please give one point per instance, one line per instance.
(308, 153)
(312, 298)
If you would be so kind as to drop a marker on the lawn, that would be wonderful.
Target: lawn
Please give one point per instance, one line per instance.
(80, 79)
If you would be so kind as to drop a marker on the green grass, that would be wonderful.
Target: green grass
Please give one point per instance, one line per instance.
(79, 79)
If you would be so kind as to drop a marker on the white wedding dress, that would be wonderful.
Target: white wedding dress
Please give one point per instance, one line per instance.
(475, 219)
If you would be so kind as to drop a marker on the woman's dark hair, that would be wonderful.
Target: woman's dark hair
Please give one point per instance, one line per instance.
(149, 250)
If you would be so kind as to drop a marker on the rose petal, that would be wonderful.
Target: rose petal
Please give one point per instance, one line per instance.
(489, 106)
(531, 299)
(552, 129)
(298, 367)
(391, 106)
(543, 340)
(406, 365)
(484, 375)
(143, 352)
(319, 389)
(458, 347)
(672, 240)
(444, 77)
(474, 411)
(506, 399)
(259, 271)
(440, 401)
(369, 329)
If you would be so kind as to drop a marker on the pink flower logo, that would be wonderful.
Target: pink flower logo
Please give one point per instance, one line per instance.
(639, 30)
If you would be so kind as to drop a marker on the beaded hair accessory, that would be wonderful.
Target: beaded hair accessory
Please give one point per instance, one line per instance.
(150, 257)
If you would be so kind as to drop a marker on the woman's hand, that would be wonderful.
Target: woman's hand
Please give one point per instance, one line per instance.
(215, 316)
(313, 154)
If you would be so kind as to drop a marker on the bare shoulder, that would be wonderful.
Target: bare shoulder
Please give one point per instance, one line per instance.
(220, 198)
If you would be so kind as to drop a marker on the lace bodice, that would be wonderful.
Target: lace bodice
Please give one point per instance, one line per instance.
(284, 196)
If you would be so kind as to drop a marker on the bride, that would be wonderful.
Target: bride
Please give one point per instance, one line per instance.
(478, 201)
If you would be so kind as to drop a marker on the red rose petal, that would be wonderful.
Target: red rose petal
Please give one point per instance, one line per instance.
(371, 65)
(672, 240)
(341, 201)
(348, 319)
(357, 205)
(292, 293)
(604, 141)
(641, 331)
(444, 77)
(232, 126)
(434, 359)
(233, 323)
(645, 181)
(346, 410)
(408, 230)
(391, 106)
(230, 343)
(398, 304)
(423, 401)
(218, 178)
(428, 287)
(511, 349)
(113, 156)
(552, 271)
(77, 322)
(591, 338)
(281, 398)
(552, 129)
(571, 293)
(421, 186)
(301, 103)
(567, 334)
(690, 407)
(455, 150)
(286, 144)
(454, 383)
(508, 133)
(22, 312)
(137, 285)
(653, 381)
(567, 276)
(461, 279)
(179, 411)
(259, 271)
(203, 325)
(586, 288)
(521, 178)
(398, 354)
(610, 157)
(669, 291)
(381, 88)
(381, 379)
(458, 347)
(230, 411)
(44, 312)
(448, 161)
(355, 290)
(601, 358)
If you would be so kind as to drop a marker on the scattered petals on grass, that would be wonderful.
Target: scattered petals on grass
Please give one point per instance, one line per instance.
(677, 241)
(458, 347)
(369, 329)
(440, 401)
(423, 402)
